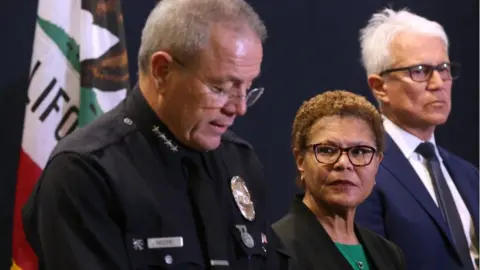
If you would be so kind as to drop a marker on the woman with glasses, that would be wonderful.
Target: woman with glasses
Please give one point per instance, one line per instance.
(338, 139)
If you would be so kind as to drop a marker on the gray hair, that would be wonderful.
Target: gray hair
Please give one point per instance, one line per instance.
(383, 27)
(182, 27)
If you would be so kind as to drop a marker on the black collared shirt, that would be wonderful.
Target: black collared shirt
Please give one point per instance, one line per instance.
(113, 195)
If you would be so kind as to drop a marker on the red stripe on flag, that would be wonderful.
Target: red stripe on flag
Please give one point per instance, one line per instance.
(28, 174)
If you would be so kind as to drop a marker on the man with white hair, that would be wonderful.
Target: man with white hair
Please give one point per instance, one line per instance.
(426, 198)
(159, 182)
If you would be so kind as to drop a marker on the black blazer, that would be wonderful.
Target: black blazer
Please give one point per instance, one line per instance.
(312, 247)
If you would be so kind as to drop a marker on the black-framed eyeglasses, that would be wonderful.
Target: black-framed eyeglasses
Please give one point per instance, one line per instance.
(223, 95)
(359, 155)
(423, 72)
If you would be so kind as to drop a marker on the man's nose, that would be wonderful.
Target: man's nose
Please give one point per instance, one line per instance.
(236, 105)
(436, 82)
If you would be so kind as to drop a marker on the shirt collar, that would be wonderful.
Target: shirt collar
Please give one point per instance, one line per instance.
(149, 124)
(406, 141)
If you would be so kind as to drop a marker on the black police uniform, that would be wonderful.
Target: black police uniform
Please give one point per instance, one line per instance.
(117, 195)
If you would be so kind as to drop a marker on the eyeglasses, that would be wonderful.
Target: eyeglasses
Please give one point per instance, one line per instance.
(359, 155)
(423, 72)
(222, 95)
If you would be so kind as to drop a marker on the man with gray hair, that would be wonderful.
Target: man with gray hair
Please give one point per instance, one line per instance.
(426, 198)
(159, 182)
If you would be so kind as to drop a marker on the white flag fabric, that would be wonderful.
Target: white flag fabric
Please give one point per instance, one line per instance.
(78, 72)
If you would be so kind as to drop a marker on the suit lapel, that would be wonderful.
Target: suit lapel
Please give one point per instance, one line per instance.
(468, 194)
(395, 162)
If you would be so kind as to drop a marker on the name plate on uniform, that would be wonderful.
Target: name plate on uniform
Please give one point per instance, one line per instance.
(165, 242)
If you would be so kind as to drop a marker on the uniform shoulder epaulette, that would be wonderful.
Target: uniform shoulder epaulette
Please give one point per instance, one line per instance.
(106, 130)
(230, 136)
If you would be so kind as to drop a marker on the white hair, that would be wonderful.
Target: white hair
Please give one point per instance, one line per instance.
(383, 27)
(182, 27)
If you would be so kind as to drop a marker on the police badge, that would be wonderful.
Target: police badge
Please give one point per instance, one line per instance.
(242, 197)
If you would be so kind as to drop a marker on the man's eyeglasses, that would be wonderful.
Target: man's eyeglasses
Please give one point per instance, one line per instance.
(223, 95)
(359, 155)
(423, 72)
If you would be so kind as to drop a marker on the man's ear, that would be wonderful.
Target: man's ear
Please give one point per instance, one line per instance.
(377, 84)
(160, 63)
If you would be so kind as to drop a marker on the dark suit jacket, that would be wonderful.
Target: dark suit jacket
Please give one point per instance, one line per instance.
(312, 247)
(401, 209)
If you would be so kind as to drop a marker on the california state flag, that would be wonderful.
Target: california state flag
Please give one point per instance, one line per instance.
(78, 72)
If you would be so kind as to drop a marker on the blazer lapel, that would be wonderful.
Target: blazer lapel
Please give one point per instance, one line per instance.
(323, 254)
(379, 260)
(395, 162)
(468, 194)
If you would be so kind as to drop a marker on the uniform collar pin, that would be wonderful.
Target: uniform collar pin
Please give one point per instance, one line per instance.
(170, 145)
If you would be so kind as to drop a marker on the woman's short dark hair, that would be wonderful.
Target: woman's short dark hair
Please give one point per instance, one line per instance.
(335, 103)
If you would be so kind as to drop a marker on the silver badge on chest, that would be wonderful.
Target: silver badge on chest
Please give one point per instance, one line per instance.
(242, 197)
(246, 237)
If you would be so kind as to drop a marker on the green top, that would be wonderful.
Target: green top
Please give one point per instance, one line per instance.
(355, 255)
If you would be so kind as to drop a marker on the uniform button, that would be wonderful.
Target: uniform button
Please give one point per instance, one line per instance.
(127, 121)
(168, 259)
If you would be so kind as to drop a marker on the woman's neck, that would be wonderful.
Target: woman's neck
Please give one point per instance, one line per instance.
(338, 222)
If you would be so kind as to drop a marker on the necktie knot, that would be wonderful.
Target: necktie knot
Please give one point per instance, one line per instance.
(427, 150)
